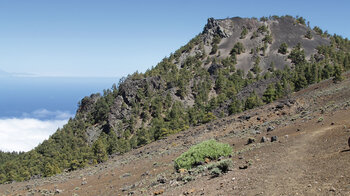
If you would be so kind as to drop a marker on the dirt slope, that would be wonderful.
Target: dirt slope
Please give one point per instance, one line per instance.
(311, 156)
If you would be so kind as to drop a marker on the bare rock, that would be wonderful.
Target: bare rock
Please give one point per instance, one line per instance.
(264, 139)
(250, 140)
(274, 139)
(270, 128)
(58, 191)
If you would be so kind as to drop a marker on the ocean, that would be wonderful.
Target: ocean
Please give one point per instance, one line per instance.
(23, 96)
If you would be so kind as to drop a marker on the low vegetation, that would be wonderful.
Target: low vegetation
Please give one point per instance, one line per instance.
(244, 33)
(197, 154)
(283, 49)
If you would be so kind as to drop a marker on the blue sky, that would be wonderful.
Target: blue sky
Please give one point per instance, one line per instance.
(115, 38)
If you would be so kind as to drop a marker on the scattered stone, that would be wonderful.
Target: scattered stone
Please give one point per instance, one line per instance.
(257, 132)
(286, 136)
(29, 186)
(264, 139)
(58, 191)
(298, 130)
(207, 160)
(280, 106)
(332, 123)
(270, 128)
(30, 194)
(159, 192)
(332, 189)
(250, 140)
(174, 183)
(233, 179)
(244, 117)
(243, 167)
(145, 174)
(126, 175)
(274, 138)
(126, 188)
(189, 192)
(83, 182)
(258, 118)
(161, 179)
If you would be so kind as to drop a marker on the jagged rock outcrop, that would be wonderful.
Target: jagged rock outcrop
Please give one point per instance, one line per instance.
(213, 28)
(87, 103)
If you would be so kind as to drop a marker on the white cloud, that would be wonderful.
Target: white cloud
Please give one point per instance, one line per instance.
(25, 134)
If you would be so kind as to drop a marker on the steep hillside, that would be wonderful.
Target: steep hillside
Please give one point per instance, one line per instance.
(235, 64)
(310, 156)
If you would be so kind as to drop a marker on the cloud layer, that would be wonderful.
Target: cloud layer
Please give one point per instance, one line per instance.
(26, 133)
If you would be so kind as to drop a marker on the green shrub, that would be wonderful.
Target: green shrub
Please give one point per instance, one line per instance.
(196, 154)
(308, 34)
(224, 165)
(215, 172)
(187, 178)
(244, 33)
(283, 49)
(318, 30)
(214, 49)
(238, 48)
(262, 29)
(268, 39)
(300, 20)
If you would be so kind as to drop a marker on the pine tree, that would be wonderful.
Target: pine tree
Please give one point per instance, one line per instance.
(112, 142)
(337, 74)
(283, 49)
(99, 151)
(51, 169)
(235, 106)
(214, 49)
(279, 90)
(297, 55)
(327, 71)
(142, 137)
(308, 34)
(244, 32)
(238, 48)
(270, 94)
(300, 82)
(253, 101)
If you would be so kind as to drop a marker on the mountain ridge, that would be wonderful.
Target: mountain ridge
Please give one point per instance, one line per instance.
(235, 64)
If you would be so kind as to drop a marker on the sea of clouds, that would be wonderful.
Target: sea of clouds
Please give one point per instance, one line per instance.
(26, 132)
